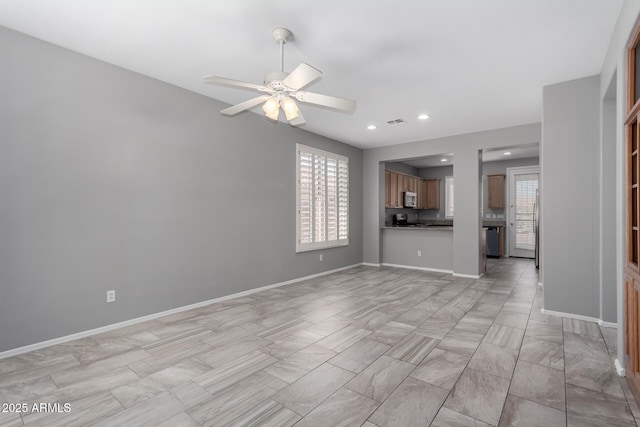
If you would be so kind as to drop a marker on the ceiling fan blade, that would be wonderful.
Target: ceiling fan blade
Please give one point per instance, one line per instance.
(215, 80)
(302, 76)
(235, 109)
(332, 102)
(298, 120)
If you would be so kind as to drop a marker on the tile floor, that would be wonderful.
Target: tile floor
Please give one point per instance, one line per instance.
(366, 346)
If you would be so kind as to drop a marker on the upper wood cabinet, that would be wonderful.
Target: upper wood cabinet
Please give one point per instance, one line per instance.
(495, 183)
(394, 184)
(427, 190)
(410, 183)
(431, 194)
(387, 189)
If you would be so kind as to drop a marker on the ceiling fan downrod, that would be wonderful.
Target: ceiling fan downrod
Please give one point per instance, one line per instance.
(282, 36)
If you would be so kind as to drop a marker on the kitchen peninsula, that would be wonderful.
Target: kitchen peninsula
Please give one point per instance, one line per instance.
(425, 246)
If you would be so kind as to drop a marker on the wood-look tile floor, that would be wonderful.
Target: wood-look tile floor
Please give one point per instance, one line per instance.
(366, 346)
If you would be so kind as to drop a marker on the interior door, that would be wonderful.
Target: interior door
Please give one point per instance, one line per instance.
(521, 220)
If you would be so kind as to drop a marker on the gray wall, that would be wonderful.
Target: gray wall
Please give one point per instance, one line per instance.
(497, 168)
(569, 159)
(112, 180)
(466, 151)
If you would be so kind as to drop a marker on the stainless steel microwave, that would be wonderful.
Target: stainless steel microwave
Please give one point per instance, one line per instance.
(410, 199)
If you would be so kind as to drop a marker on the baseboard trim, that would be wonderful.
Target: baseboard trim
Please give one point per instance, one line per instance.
(435, 270)
(370, 264)
(619, 368)
(608, 324)
(580, 317)
(411, 267)
(113, 326)
(468, 276)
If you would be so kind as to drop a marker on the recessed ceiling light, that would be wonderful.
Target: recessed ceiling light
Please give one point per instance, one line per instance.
(371, 127)
(507, 153)
(443, 160)
(423, 116)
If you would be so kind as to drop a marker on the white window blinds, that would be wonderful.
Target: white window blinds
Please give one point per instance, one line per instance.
(526, 187)
(322, 199)
(448, 196)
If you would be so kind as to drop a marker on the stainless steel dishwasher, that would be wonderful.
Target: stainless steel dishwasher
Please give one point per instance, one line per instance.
(493, 244)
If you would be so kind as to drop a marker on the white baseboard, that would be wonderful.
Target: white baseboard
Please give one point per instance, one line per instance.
(370, 264)
(435, 270)
(580, 317)
(107, 328)
(469, 276)
(607, 324)
(411, 267)
(619, 368)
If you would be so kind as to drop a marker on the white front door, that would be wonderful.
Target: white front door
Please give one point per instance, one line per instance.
(523, 185)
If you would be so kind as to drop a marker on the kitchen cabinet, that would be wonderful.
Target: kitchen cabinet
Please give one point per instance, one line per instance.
(393, 188)
(410, 183)
(396, 183)
(387, 189)
(501, 237)
(400, 188)
(423, 195)
(484, 251)
(495, 184)
(431, 194)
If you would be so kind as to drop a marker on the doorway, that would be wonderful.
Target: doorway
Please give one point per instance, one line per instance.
(522, 199)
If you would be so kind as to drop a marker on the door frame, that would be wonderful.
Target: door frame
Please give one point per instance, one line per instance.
(510, 189)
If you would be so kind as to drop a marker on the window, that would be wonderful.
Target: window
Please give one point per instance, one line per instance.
(448, 195)
(322, 194)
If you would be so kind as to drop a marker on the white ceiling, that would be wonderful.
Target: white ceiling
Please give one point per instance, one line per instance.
(471, 65)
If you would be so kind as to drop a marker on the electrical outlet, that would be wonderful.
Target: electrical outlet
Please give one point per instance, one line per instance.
(111, 296)
(320, 257)
(419, 252)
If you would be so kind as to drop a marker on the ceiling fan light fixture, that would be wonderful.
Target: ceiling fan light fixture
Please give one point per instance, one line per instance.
(290, 108)
(271, 108)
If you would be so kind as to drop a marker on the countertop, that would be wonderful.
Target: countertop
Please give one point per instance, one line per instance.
(420, 227)
(443, 225)
(494, 223)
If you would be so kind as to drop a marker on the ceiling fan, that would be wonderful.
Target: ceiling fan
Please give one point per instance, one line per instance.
(280, 89)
